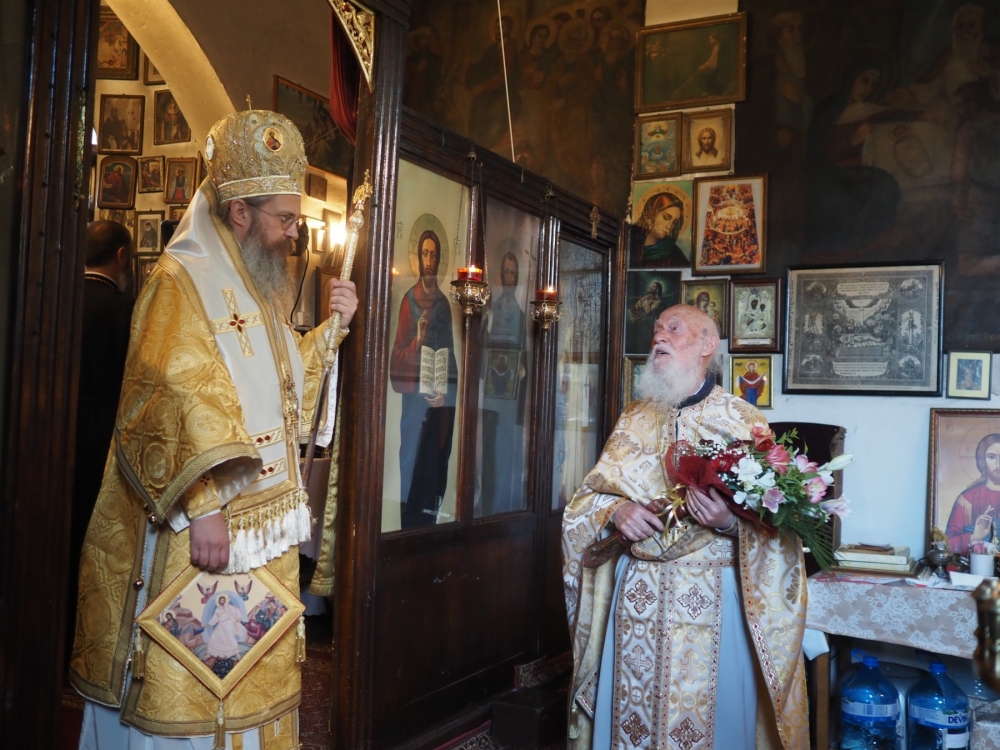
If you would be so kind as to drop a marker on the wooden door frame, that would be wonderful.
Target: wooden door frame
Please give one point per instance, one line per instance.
(39, 428)
(386, 132)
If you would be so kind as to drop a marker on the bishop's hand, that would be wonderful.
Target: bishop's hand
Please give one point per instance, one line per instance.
(210, 543)
(343, 299)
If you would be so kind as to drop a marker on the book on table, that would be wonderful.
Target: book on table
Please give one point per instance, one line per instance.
(862, 553)
(433, 370)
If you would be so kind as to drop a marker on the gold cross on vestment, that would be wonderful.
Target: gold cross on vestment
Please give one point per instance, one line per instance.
(237, 322)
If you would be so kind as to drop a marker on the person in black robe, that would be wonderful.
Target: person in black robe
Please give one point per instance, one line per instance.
(107, 316)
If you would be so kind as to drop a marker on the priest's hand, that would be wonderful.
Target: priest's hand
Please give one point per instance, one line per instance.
(709, 509)
(210, 543)
(635, 522)
(343, 299)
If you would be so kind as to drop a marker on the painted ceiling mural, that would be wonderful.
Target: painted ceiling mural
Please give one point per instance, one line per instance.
(570, 68)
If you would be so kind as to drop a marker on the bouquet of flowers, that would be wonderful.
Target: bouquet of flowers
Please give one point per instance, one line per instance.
(764, 480)
(768, 482)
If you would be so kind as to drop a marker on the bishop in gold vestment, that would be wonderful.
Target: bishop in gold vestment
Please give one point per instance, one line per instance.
(682, 630)
(218, 394)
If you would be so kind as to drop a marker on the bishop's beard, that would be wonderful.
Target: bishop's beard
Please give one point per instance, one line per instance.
(667, 381)
(267, 264)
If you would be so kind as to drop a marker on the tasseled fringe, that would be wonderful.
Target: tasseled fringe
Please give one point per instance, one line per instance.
(239, 557)
(256, 549)
(263, 534)
(289, 531)
(304, 519)
(138, 657)
(300, 640)
(220, 729)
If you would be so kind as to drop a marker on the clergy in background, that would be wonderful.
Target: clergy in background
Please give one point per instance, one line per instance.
(218, 394)
(662, 647)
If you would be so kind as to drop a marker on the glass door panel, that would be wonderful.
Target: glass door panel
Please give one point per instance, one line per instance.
(582, 333)
(504, 386)
(425, 331)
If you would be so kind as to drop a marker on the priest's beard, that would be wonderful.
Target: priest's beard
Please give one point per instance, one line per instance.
(667, 380)
(267, 264)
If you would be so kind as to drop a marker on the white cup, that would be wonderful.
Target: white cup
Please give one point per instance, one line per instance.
(981, 565)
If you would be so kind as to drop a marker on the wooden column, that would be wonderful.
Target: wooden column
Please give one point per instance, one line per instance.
(366, 368)
(38, 433)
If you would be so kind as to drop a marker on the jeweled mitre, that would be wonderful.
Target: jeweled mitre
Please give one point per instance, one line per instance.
(256, 152)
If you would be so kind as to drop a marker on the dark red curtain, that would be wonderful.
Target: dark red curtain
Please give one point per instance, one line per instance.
(345, 77)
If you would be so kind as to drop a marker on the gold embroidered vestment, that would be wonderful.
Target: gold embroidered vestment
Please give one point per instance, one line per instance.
(666, 650)
(182, 447)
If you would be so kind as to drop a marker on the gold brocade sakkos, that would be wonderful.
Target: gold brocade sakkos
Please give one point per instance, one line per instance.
(667, 666)
(182, 443)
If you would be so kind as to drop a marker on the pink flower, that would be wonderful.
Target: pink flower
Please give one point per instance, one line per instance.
(815, 488)
(838, 507)
(763, 438)
(773, 498)
(803, 464)
(779, 458)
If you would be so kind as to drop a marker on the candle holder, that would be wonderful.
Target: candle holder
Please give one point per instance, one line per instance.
(470, 295)
(545, 311)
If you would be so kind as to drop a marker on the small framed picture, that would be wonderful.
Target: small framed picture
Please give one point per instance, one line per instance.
(120, 124)
(691, 63)
(730, 227)
(707, 140)
(116, 188)
(144, 265)
(316, 186)
(964, 461)
(634, 365)
(969, 375)
(169, 125)
(147, 232)
(150, 75)
(657, 138)
(647, 294)
(663, 213)
(177, 212)
(151, 174)
(179, 180)
(750, 379)
(117, 50)
(753, 315)
(502, 366)
(711, 296)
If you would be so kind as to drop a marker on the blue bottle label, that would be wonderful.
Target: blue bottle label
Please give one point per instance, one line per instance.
(869, 710)
(931, 717)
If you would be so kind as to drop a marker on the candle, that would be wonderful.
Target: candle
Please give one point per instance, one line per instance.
(472, 273)
(548, 294)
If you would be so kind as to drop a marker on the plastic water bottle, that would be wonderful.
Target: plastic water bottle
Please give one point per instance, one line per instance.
(869, 709)
(938, 713)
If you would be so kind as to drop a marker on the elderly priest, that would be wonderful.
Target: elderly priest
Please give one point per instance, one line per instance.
(203, 471)
(690, 639)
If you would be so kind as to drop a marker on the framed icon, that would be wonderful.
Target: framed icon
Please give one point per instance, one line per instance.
(120, 124)
(969, 375)
(116, 188)
(730, 227)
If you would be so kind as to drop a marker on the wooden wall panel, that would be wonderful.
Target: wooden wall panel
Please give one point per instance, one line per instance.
(453, 611)
(40, 416)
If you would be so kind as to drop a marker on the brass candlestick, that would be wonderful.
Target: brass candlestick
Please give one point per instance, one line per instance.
(469, 294)
(546, 311)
